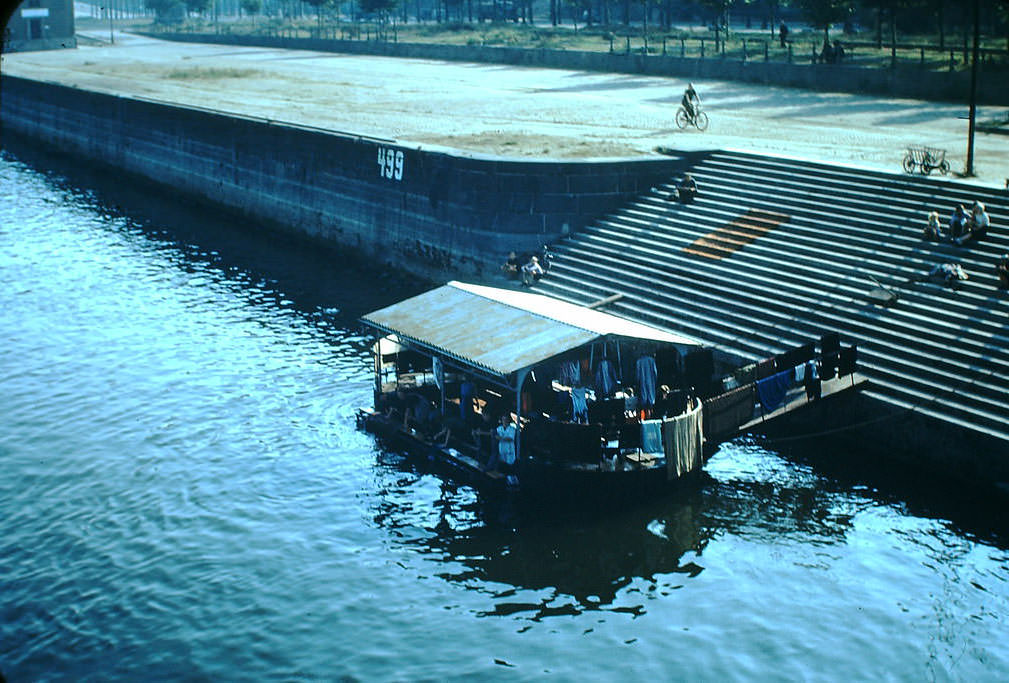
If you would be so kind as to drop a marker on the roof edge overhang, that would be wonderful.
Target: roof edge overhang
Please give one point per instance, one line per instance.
(463, 317)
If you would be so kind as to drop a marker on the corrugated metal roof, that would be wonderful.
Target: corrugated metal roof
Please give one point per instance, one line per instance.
(501, 330)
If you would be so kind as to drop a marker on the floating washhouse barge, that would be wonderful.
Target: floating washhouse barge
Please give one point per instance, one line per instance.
(601, 406)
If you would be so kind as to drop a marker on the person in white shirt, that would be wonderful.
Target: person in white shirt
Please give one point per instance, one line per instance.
(505, 433)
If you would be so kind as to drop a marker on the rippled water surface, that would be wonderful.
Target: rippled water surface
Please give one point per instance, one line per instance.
(183, 495)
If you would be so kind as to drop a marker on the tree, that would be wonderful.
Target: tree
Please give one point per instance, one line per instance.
(382, 8)
(318, 5)
(1002, 12)
(772, 9)
(166, 10)
(198, 6)
(251, 7)
(720, 8)
(823, 13)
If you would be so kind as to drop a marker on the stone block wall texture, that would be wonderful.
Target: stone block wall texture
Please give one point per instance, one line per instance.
(430, 212)
(993, 88)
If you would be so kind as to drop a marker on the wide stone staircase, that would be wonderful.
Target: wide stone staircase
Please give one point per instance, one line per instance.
(774, 252)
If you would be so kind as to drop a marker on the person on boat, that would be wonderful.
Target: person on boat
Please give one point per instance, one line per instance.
(467, 396)
(393, 405)
(669, 403)
(630, 401)
(504, 457)
(417, 410)
(451, 425)
(483, 435)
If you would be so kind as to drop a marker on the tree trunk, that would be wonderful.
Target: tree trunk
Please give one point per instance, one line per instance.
(893, 35)
(644, 24)
(879, 26)
(941, 17)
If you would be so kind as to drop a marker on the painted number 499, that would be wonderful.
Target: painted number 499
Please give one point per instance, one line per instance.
(390, 163)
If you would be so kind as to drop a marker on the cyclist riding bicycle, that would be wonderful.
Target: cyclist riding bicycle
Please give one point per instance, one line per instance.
(690, 101)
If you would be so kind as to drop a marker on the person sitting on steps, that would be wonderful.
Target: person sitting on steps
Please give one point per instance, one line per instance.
(951, 274)
(532, 272)
(1002, 270)
(932, 230)
(511, 266)
(686, 191)
(977, 224)
(957, 222)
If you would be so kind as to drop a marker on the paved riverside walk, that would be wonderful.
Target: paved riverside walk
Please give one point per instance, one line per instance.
(518, 111)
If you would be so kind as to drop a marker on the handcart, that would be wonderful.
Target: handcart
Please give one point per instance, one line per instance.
(925, 159)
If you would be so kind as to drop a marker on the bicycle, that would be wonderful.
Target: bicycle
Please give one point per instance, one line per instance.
(699, 120)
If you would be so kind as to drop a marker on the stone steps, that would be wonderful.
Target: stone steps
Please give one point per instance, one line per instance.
(730, 271)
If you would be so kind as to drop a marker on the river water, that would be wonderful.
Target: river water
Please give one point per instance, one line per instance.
(184, 495)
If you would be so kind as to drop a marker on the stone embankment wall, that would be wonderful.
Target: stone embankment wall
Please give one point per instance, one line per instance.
(430, 212)
(954, 86)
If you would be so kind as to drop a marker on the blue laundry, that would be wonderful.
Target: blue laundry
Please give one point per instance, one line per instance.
(569, 373)
(579, 405)
(651, 436)
(647, 373)
(771, 390)
(606, 379)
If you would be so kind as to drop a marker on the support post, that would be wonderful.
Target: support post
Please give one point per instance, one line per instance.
(973, 90)
(520, 381)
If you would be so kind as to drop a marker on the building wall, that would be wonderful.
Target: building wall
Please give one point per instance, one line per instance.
(41, 25)
(432, 213)
(993, 88)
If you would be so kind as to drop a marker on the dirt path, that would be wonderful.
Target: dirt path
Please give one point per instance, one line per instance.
(517, 111)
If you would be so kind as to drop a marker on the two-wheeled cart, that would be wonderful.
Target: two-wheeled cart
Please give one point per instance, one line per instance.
(924, 159)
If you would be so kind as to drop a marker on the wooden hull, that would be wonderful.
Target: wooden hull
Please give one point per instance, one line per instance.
(536, 481)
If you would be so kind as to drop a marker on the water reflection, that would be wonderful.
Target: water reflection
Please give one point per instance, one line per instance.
(972, 511)
(258, 260)
(541, 562)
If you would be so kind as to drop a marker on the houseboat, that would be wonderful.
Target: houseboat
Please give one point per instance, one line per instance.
(587, 404)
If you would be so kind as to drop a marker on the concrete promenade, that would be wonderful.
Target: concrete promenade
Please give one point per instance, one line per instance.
(480, 109)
